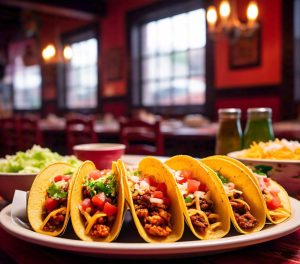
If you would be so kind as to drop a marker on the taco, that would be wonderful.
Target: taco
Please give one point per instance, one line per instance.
(247, 204)
(277, 202)
(203, 199)
(49, 199)
(151, 193)
(97, 203)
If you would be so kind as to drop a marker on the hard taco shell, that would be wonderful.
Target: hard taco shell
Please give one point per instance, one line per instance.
(251, 192)
(78, 220)
(37, 194)
(217, 195)
(284, 197)
(155, 168)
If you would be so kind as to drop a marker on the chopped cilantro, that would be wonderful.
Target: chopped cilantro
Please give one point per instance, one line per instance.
(106, 184)
(262, 169)
(222, 178)
(188, 199)
(56, 192)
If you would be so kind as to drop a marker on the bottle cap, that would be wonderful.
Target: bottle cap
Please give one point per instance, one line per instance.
(229, 113)
(260, 112)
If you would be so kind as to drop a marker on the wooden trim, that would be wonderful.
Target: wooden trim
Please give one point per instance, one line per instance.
(123, 98)
(248, 91)
(286, 91)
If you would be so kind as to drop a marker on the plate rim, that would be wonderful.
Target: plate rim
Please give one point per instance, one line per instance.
(117, 249)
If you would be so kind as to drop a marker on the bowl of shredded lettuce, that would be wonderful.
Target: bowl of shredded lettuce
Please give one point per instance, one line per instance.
(18, 171)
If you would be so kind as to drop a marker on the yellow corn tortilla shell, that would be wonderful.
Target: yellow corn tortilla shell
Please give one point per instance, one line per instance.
(251, 193)
(275, 216)
(155, 168)
(78, 219)
(37, 195)
(217, 195)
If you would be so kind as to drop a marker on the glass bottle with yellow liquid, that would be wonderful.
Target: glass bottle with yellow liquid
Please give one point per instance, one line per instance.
(229, 136)
(258, 127)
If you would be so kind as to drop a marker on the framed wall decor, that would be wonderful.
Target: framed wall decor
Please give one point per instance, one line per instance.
(245, 51)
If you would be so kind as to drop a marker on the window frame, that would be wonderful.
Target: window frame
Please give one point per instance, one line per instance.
(156, 11)
(81, 34)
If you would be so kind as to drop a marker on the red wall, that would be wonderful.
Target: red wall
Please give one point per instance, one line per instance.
(113, 35)
(269, 72)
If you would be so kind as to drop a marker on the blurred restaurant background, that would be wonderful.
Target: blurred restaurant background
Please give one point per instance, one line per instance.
(175, 62)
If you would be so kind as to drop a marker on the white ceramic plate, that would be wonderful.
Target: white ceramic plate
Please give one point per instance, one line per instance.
(129, 244)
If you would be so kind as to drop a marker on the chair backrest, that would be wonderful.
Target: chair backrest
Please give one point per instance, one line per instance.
(29, 132)
(80, 130)
(141, 137)
(8, 132)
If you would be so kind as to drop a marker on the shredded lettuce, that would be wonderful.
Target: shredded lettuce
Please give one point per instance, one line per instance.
(33, 160)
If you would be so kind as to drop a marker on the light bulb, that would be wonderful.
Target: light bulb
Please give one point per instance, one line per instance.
(224, 9)
(49, 52)
(68, 53)
(211, 15)
(252, 11)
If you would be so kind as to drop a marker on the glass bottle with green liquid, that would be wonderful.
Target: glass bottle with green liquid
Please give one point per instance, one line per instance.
(229, 135)
(258, 127)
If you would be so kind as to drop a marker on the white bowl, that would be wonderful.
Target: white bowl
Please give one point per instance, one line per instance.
(9, 182)
(285, 172)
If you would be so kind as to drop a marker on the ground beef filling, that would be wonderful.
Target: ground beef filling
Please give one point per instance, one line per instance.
(198, 221)
(242, 215)
(57, 221)
(102, 227)
(154, 217)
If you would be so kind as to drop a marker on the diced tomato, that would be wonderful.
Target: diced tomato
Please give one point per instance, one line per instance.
(51, 204)
(192, 185)
(181, 180)
(58, 178)
(86, 203)
(162, 187)
(99, 200)
(110, 209)
(202, 187)
(67, 177)
(167, 201)
(266, 181)
(186, 174)
(274, 203)
(158, 194)
(152, 182)
(95, 174)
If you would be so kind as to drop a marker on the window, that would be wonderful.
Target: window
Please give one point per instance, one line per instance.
(27, 86)
(81, 72)
(169, 53)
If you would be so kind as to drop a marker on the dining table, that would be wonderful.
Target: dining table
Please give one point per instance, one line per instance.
(274, 244)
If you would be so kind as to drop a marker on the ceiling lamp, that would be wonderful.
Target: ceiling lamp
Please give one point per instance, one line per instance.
(227, 21)
(48, 52)
(68, 53)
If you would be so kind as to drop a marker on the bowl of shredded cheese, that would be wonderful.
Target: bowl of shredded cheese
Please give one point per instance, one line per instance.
(279, 159)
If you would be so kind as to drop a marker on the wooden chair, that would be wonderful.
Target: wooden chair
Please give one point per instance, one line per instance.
(8, 132)
(29, 132)
(141, 137)
(80, 130)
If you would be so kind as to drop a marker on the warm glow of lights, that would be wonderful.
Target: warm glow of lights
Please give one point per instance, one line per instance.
(224, 9)
(68, 53)
(252, 11)
(211, 15)
(49, 52)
